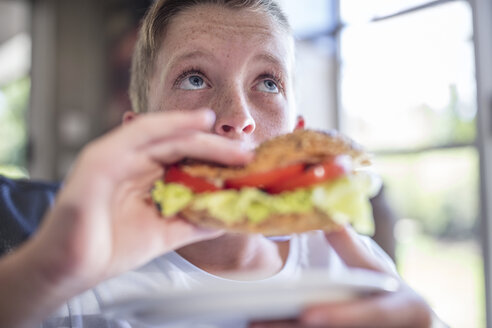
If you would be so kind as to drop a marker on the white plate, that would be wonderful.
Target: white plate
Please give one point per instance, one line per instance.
(205, 306)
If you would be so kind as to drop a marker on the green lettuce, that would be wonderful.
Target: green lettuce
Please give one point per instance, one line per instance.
(345, 200)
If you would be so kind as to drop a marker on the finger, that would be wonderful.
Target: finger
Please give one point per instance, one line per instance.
(352, 250)
(198, 145)
(152, 127)
(363, 313)
(179, 232)
(156, 236)
(400, 309)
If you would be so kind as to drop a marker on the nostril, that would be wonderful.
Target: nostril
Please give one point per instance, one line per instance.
(226, 128)
(248, 128)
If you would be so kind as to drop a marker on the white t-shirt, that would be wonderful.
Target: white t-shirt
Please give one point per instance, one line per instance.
(307, 251)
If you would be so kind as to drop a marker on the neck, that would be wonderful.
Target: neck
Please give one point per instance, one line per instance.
(238, 256)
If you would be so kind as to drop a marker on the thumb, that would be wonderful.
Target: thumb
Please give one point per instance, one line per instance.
(353, 251)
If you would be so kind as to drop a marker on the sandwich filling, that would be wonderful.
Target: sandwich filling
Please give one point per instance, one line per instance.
(345, 199)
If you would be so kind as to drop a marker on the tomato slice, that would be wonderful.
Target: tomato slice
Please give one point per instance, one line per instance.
(264, 179)
(328, 170)
(196, 184)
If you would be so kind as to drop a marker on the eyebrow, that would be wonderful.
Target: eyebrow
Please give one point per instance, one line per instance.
(208, 56)
(271, 59)
(192, 55)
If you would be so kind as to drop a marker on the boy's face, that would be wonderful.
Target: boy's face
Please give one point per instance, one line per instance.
(236, 62)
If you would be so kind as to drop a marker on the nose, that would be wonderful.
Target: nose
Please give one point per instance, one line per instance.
(234, 119)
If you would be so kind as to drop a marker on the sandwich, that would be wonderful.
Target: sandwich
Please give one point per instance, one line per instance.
(301, 181)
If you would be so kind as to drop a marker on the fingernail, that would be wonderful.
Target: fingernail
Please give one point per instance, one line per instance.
(209, 116)
(246, 146)
(248, 150)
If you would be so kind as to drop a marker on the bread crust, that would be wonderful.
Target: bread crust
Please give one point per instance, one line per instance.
(274, 225)
(300, 146)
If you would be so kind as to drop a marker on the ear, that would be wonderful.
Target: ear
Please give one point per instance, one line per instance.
(128, 116)
(299, 122)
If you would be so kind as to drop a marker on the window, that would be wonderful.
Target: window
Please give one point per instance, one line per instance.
(399, 78)
(315, 82)
(408, 93)
(15, 63)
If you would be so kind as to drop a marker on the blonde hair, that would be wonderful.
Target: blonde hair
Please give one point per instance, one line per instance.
(154, 25)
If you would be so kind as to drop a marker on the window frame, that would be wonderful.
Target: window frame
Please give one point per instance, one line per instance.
(482, 25)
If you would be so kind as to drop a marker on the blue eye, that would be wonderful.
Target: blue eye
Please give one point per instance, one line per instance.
(193, 82)
(268, 86)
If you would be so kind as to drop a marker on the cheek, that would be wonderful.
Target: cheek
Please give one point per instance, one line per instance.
(183, 100)
(272, 117)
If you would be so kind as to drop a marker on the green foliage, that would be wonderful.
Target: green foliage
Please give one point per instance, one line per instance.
(454, 124)
(13, 172)
(437, 188)
(14, 100)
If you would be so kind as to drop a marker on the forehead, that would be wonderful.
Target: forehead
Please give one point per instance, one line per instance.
(216, 28)
(225, 20)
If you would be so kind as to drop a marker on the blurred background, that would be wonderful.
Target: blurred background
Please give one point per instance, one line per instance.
(398, 76)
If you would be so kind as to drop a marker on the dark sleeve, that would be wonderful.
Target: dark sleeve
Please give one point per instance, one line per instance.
(22, 206)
